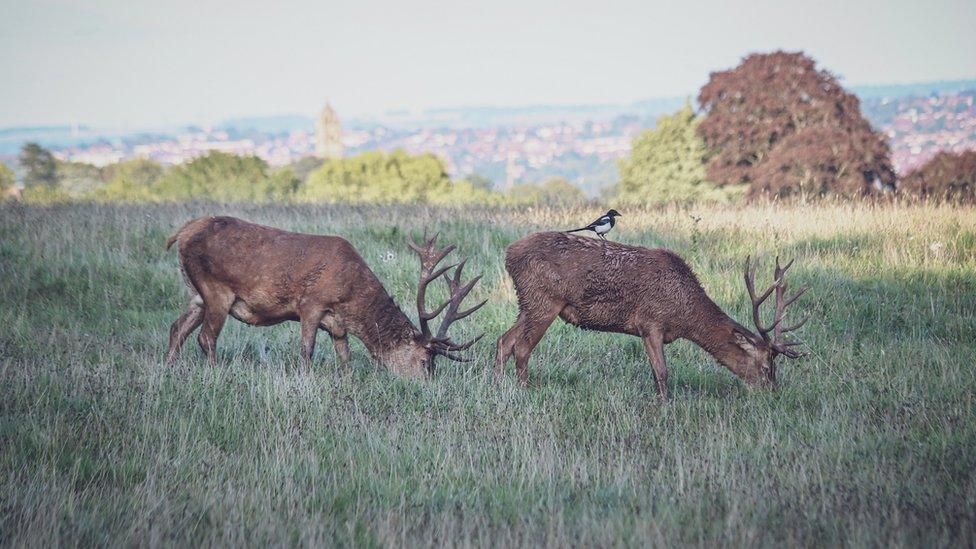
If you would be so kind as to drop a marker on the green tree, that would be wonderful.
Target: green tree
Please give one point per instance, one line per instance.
(378, 177)
(666, 164)
(479, 181)
(465, 191)
(7, 180)
(40, 167)
(78, 179)
(303, 167)
(129, 181)
(554, 192)
(223, 177)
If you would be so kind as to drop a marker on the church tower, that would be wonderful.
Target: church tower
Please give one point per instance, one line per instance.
(328, 135)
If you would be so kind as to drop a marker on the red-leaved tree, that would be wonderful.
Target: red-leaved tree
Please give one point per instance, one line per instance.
(947, 176)
(778, 100)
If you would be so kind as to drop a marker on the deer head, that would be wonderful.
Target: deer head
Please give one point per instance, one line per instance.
(427, 344)
(767, 344)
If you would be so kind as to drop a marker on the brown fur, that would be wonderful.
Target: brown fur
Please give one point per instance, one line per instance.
(263, 276)
(613, 287)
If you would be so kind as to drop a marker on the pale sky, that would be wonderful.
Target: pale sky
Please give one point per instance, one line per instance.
(131, 63)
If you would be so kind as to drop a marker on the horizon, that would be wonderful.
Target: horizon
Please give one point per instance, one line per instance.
(863, 91)
(115, 65)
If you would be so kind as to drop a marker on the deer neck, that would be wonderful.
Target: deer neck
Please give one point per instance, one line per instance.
(721, 337)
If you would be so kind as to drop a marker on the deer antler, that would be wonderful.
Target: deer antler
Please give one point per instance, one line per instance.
(782, 302)
(750, 276)
(430, 257)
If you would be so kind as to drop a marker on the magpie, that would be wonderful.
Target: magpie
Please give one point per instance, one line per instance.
(601, 226)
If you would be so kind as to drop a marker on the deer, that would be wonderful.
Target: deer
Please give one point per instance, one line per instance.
(649, 293)
(263, 276)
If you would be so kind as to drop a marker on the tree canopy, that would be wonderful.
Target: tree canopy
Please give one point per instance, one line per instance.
(78, 179)
(40, 166)
(225, 177)
(553, 192)
(378, 177)
(666, 164)
(753, 109)
(129, 181)
(947, 176)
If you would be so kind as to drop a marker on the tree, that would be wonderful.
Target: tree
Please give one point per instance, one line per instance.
(39, 165)
(378, 177)
(223, 177)
(666, 164)
(821, 160)
(129, 181)
(303, 167)
(947, 176)
(466, 192)
(479, 181)
(752, 109)
(78, 179)
(554, 192)
(7, 180)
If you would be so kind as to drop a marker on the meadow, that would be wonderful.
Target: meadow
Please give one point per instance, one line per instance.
(868, 441)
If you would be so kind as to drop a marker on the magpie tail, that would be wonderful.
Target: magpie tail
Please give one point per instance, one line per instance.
(578, 230)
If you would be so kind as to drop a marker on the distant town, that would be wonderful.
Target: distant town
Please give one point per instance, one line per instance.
(507, 146)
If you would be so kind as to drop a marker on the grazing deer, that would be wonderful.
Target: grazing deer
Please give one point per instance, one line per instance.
(648, 293)
(263, 276)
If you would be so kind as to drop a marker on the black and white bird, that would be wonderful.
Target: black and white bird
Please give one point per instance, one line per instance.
(601, 226)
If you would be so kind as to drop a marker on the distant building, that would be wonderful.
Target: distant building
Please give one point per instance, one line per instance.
(328, 135)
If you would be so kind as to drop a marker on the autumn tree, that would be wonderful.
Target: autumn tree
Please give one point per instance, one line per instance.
(783, 98)
(947, 176)
(819, 160)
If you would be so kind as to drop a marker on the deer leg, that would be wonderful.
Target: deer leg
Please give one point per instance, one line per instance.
(181, 329)
(339, 340)
(310, 328)
(654, 345)
(341, 345)
(216, 306)
(506, 346)
(532, 331)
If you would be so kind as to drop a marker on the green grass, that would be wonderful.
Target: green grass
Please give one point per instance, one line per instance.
(870, 440)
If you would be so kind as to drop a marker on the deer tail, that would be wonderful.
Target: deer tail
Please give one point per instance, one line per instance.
(172, 239)
(185, 230)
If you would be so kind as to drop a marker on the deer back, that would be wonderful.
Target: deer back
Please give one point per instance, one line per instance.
(606, 285)
(277, 272)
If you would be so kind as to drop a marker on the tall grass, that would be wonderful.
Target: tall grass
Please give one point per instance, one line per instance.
(870, 440)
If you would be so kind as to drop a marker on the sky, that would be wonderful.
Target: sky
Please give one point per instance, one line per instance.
(141, 63)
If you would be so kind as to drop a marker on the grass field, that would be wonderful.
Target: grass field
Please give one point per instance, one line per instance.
(870, 440)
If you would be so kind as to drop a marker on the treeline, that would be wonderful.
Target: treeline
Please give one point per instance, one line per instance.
(371, 177)
(775, 126)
